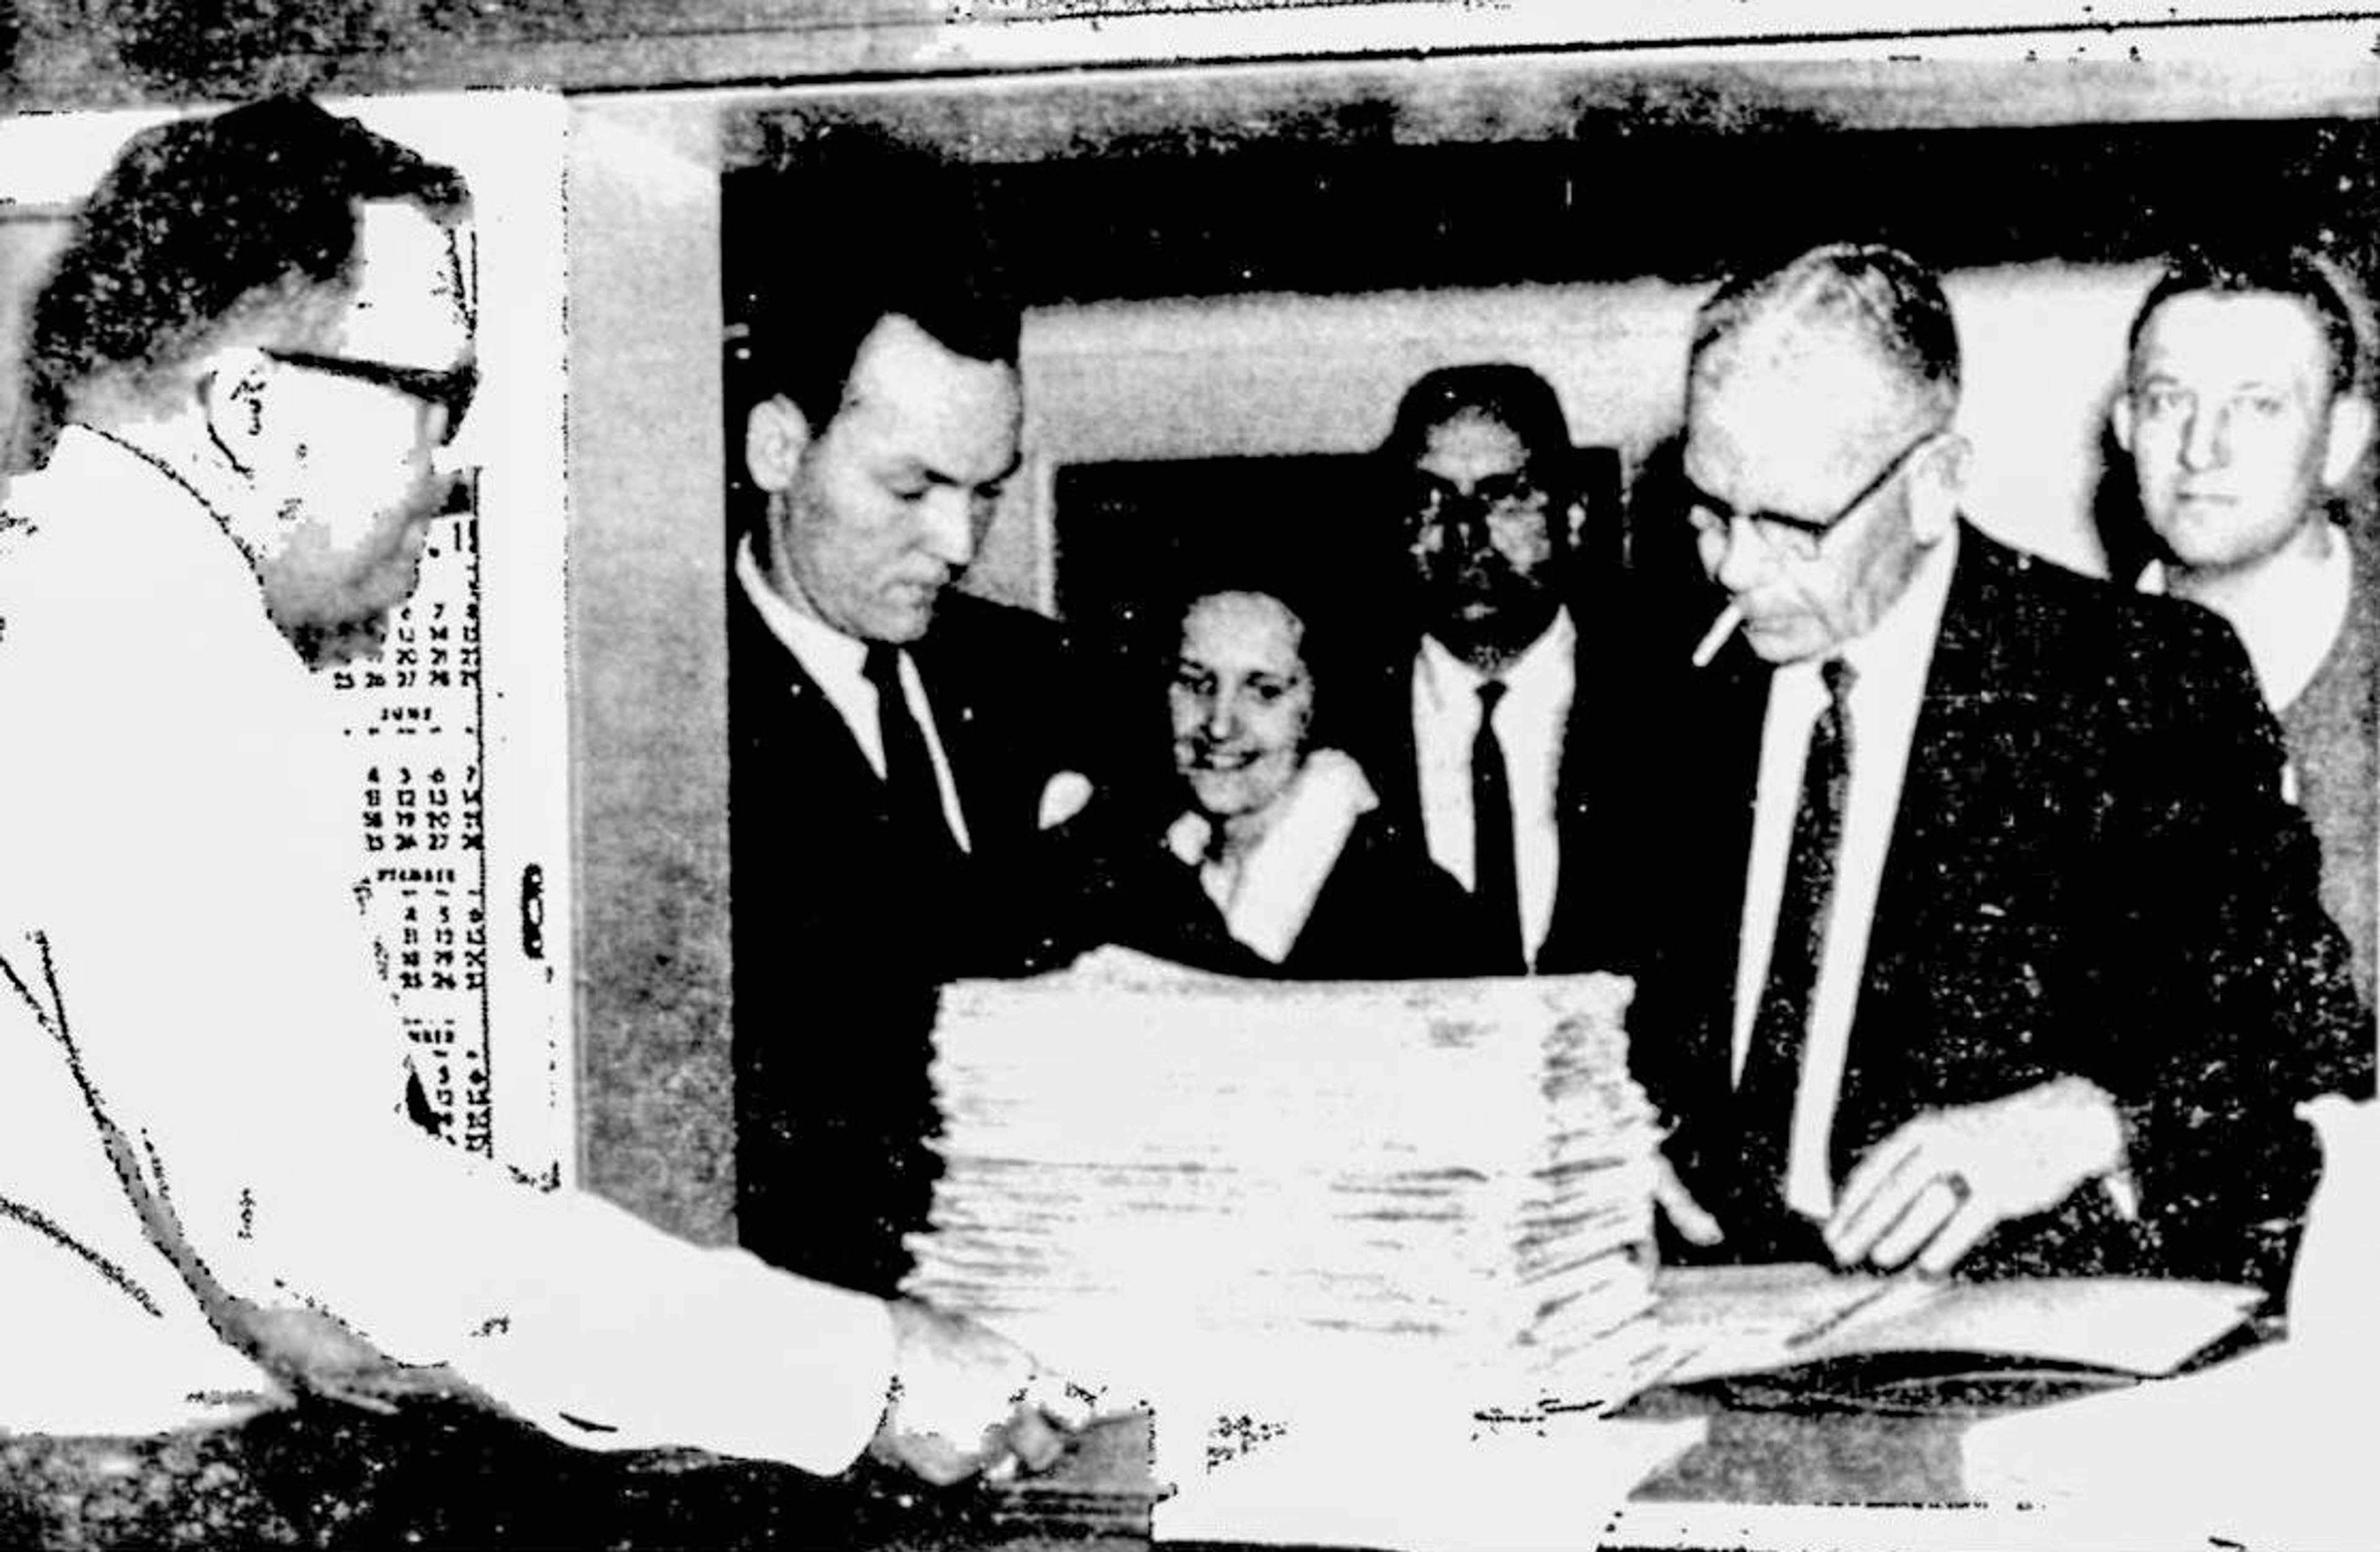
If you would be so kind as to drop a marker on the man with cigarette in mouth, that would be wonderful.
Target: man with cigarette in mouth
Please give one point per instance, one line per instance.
(1987, 940)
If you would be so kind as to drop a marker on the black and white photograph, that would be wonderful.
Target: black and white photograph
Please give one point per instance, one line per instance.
(1448, 775)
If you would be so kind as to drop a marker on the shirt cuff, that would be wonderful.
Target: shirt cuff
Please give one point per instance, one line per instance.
(687, 1347)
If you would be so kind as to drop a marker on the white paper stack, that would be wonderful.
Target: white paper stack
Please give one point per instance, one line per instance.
(1271, 1190)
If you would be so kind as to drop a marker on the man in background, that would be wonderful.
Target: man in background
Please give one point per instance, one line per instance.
(1987, 940)
(2244, 419)
(1495, 729)
(897, 744)
(250, 362)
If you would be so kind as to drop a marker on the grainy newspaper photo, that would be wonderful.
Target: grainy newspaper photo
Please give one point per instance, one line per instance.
(1374, 775)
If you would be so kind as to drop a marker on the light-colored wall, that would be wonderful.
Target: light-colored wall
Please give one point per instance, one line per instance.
(1295, 374)
(648, 650)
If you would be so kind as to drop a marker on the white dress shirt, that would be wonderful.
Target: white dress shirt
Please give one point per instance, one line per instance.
(1530, 725)
(1888, 665)
(184, 956)
(837, 665)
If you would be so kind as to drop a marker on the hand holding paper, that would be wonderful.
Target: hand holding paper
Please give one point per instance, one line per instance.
(2337, 1277)
(1942, 1182)
(966, 1399)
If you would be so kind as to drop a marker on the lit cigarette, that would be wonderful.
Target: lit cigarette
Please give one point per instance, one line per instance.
(1716, 637)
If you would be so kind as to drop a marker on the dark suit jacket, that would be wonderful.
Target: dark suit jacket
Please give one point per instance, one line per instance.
(2091, 872)
(1618, 678)
(838, 947)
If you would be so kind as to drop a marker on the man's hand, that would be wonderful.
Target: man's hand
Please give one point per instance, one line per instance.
(1944, 1180)
(2336, 1280)
(1678, 1204)
(966, 1399)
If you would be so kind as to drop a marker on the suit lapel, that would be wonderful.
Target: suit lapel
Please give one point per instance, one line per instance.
(1719, 778)
(959, 685)
(788, 716)
(1945, 864)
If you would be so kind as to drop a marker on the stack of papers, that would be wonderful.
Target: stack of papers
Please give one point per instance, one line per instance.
(1271, 1190)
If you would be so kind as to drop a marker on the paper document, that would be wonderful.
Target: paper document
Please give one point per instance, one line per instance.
(1727, 1320)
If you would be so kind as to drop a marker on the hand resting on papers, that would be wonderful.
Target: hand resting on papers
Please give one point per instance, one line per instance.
(966, 1399)
(1936, 1186)
(1941, 1182)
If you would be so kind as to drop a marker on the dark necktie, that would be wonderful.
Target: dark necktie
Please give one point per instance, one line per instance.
(913, 798)
(1772, 1067)
(1494, 883)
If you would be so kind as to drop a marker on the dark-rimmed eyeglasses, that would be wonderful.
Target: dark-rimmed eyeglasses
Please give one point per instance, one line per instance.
(1429, 504)
(447, 388)
(1800, 537)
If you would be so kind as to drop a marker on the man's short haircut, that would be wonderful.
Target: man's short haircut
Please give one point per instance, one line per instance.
(807, 346)
(1511, 395)
(2261, 270)
(898, 234)
(1880, 296)
(202, 218)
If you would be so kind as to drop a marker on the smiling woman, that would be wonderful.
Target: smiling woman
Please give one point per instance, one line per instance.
(1242, 702)
(1270, 854)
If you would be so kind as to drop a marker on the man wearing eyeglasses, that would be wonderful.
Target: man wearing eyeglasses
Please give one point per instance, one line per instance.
(1986, 922)
(250, 362)
(1491, 731)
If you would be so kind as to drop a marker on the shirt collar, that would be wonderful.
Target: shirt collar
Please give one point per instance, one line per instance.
(169, 562)
(182, 545)
(1445, 676)
(1267, 892)
(1898, 647)
(818, 646)
(2290, 631)
(174, 559)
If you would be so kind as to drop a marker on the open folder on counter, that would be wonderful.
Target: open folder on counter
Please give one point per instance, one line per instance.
(1733, 1320)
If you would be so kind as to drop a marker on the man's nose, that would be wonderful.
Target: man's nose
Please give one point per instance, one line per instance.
(1743, 557)
(1219, 722)
(2206, 438)
(948, 527)
(452, 484)
(1466, 526)
(451, 461)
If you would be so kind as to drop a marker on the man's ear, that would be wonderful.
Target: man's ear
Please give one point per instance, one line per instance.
(231, 394)
(1938, 482)
(2120, 419)
(776, 434)
(2350, 433)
